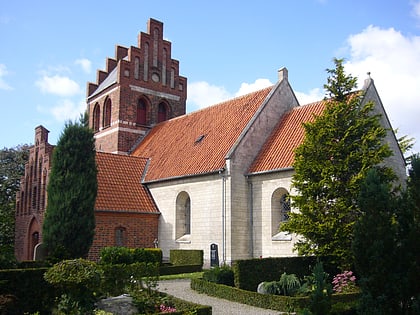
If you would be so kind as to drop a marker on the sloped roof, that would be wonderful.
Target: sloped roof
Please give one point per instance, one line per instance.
(109, 80)
(119, 184)
(278, 151)
(197, 143)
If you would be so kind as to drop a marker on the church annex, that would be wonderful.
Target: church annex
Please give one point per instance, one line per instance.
(219, 175)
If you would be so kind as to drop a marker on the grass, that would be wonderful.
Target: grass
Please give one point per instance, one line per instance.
(193, 275)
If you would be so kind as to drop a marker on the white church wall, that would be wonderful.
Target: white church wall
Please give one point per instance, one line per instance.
(205, 193)
(263, 187)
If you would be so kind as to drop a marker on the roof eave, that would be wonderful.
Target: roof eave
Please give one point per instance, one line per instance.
(217, 171)
(283, 169)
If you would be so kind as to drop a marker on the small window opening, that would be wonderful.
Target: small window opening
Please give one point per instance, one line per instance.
(199, 139)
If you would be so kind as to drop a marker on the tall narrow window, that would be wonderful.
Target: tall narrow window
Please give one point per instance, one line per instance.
(141, 112)
(107, 113)
(120, 236)
(280, 212)
(162, 112)
(183, 217)
(136, 67)
(96, 117)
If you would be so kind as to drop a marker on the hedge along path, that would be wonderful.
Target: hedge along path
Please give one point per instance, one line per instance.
(181, 288)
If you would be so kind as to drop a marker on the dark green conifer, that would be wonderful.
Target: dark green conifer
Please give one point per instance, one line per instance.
(69, 224)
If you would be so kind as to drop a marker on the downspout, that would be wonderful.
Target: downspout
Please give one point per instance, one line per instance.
(251, 215)
(223, 216)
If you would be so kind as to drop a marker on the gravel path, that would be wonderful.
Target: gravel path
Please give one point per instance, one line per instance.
(182, 289)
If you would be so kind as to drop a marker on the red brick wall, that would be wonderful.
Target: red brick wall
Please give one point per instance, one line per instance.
(141, 230)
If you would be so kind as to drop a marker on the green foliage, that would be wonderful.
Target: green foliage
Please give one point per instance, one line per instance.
(186, 257)
(166, 270)
(250, 272)
(25, 285)
(320, 297)
(12, 168)
(78, 279)
(374, 245)
(268, 301)
(339, 147)
(221, 275)
(124, 255)
(69, 222)
(117, 278)
(289, 284)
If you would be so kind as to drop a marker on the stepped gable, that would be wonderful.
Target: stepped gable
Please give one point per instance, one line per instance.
(197, 143)
(279, 150)
(119, 184)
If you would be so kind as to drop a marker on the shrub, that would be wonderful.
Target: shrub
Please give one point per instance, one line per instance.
(344, 282)
(124, 255)
(78, 278)
(186, 257)
(320, 293)
(119, 278)
(289, 284)
(220, 275)
(25, 284)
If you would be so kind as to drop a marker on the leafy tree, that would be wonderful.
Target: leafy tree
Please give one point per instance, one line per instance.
(407, 236)
(12, 168)
(69, 223)
(374, 247)
(339, 147)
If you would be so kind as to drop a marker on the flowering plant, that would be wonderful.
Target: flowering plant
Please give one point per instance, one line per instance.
(344, 282)
(166, 309)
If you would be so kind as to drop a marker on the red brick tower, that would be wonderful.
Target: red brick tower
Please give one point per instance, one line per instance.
(140, 88)
(32, 197)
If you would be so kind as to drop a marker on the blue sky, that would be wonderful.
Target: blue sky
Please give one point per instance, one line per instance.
(51, 49)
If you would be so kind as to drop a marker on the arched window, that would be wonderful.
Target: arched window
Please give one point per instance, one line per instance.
(162, 112)
(96, 117)
(280, 211)
(120, 236)
(107, 113)
(141, 112)
(183, 217)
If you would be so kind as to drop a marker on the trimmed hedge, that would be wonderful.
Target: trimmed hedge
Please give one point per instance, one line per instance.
(124, 255)
(274, 302)
(251, 272)
(186, 257)
(267, 301)
(187, 307)
(33, 293)
(173, 270)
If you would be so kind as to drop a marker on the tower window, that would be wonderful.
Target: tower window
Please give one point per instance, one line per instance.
(162, 113)
(141, 113)
(96, 117)
(107, 113)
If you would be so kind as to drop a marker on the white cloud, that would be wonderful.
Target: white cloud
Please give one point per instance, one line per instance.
(251, 87)
(314, 95)
(58, 85)
(66, 110)
(202, 94)
(85, 64)
(3, 73)
(394, 61)
(416, 9)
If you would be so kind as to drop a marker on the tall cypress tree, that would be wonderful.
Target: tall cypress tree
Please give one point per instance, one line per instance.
(339, 147)
(69, 223)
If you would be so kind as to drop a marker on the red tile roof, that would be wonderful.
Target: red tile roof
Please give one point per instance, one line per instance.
(278, 151)
(119, 184)
(197, 143)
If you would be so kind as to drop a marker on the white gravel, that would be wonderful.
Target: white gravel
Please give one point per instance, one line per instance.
(182, 289)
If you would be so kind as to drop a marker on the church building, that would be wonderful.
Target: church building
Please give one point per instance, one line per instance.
(216, 177)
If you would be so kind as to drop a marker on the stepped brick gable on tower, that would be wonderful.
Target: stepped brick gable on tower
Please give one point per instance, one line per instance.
(140, 88)
(220, 175)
